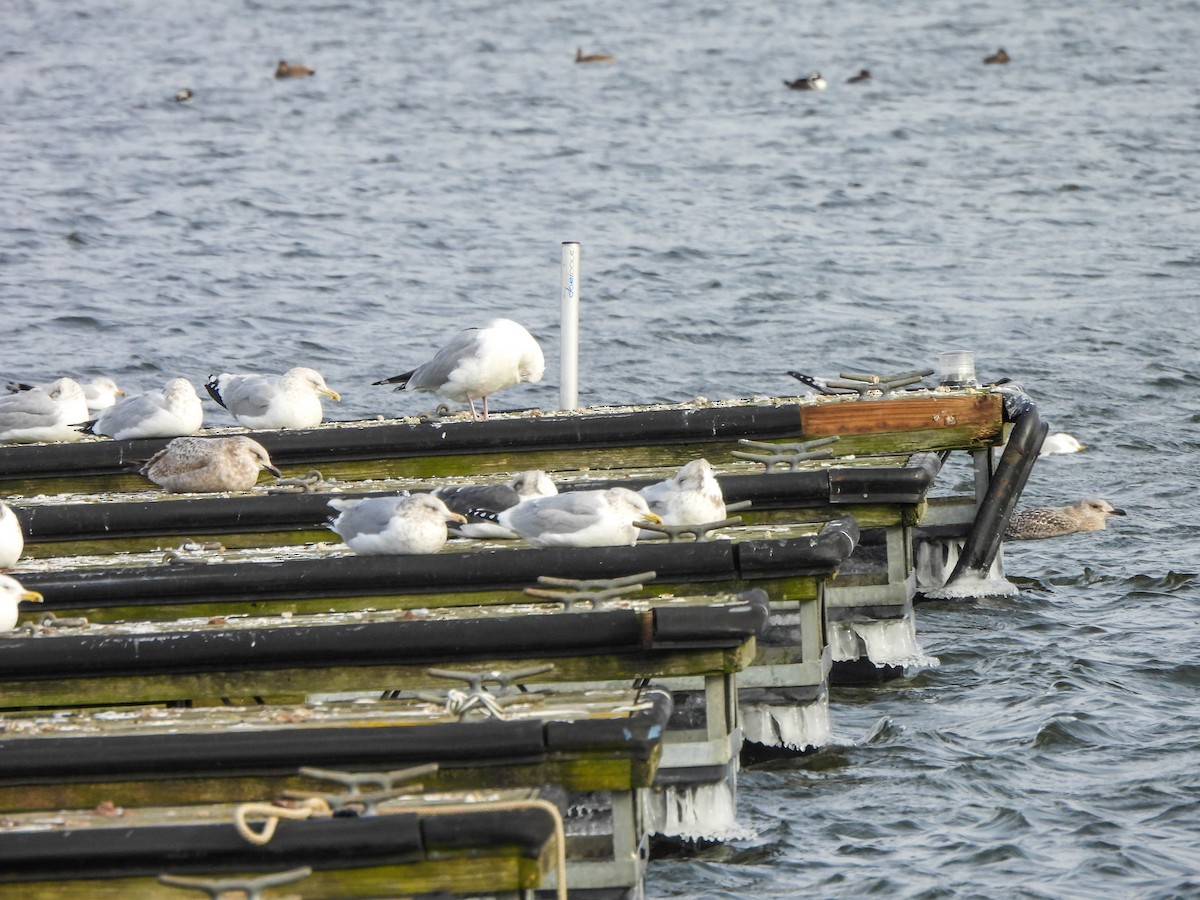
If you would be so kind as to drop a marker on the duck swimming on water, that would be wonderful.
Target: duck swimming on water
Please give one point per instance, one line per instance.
(813, 82)
(283, 70)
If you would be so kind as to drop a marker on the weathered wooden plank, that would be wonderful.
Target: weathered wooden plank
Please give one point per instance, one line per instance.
(269, 684)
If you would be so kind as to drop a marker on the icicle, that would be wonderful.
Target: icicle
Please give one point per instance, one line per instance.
(893, 642)
(796, 727)
(936, 560)
(699, 812)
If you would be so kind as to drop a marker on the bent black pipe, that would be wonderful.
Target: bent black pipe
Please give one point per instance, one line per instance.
(987, 530)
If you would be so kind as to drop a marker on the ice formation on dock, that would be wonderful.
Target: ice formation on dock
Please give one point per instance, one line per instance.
(936, 560)
(885, 642)
(796, 727)
(698, 812)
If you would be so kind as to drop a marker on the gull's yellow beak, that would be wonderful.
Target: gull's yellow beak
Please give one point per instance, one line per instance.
(457, 517)
(653, 517)
(32, 596)
(330, 393)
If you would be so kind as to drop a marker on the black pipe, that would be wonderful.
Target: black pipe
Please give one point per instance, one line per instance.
(362, 441)
(481, 570)
(1012, 473)
(56, 522)
(266, 750)
(412, 642)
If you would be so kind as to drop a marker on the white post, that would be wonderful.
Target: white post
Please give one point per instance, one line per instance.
(568, 390)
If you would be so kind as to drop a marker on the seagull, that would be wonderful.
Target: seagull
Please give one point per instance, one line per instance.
(12, 593)
(184, 95)
(691, 496)
(283, 70)
(44, 413)
(1089, 514)
(100, 392)
(391, 526)
(813, 82)
(175, 411)
(494, 498)
(12, 539)
(290, 400)
(1060, 443)
(208, 464)
(476, 363)
(606, 518)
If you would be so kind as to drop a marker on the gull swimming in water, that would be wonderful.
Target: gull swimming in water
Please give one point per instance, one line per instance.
(290, 400)
(494, 498)
(1089, 514)
(174, 411)
(476, 363)
(44, 413)
(606, 518)
(100, 392)
(1060, 443)
(203, 465)
(13, 592)
(390, 526)
(12, 539)
(692, 496)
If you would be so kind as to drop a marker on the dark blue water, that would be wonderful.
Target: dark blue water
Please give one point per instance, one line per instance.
(1045, 214)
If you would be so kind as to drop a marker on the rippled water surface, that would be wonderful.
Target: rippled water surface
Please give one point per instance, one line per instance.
(1044, 214)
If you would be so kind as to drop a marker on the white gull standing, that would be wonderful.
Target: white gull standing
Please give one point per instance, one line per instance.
(290, 400)
(393, 526)
(476, 363)
(12, 539)
(174, 411)
(494, 498)
(203, 465)
(13, 592)
(606, 518)
(44, 413)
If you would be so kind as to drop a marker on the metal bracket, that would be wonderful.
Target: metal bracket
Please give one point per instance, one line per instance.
(312, 482)
(596, 590)
(390, 784)
(699, 531)
(477, 696)
(252, 888)
(50, 620)
(866, 383)
(786, 456)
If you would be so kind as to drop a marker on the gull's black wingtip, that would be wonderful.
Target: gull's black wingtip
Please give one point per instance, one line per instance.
(213, 388)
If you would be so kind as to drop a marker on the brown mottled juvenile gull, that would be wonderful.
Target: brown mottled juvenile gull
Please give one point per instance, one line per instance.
(290, 400)
(691, 496)
(12, 539)
(1089, 514)
(44, 413)
(476, 363)
(13, 592)
(494, 498)
(174, 411)
(393, 526)
(208, 464)
(606, 518)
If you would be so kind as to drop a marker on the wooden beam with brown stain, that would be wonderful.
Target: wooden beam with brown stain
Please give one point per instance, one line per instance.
(902, 414)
